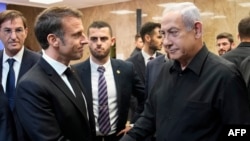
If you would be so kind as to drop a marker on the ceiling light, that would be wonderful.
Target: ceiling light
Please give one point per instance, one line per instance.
(165, 4)
(218, 17)
(144, 15)
(157, 18)
(207, 13)
(244, 4)
(122, 12)
(46, 1)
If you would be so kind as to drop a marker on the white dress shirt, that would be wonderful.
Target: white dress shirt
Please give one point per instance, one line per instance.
(147, 57)
(112, 94)
(16, 66)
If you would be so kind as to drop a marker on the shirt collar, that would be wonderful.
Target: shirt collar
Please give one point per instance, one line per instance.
(94, 66)
(196, 63)
(18, 57)
(58, 66)
(146, 56)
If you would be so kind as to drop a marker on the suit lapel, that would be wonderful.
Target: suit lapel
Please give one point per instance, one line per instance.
(56, 79)
(141, 64)
(117, 72)
(1, 66)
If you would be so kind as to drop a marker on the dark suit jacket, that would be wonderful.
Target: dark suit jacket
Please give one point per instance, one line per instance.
(28, 60)
(139, 64)
(153, 70)
(238, 54)
(245, 70)
(127, 83)
(47, 109)
(7, 124)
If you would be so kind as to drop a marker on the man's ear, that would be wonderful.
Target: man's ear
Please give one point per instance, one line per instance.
(53, 40)
(147, 38)
(198, 29)
(113, 40)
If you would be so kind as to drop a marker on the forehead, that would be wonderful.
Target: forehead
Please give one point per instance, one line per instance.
(74, 24)
(16, 22)
(171, 20)
(104, 31)
(222, 40)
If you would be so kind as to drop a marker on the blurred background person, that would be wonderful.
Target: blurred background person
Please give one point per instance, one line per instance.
(224, 42)
(15, 60)
(242, 51)
(138, 45)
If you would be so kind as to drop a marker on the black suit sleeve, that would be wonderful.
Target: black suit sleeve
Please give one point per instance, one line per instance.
(145, 125)
(139, 93)
(7, 126)
(36, 114)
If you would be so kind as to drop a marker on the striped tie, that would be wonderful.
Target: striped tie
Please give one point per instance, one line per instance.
(103, 118)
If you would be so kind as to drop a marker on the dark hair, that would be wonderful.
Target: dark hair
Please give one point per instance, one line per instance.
(50, 22)
(11, 15)
(100, 24)
(229, 36)
(244, 27)
(137, 36)
(148, 28)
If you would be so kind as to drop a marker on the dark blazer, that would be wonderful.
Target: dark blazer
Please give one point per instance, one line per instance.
(47, 109)
(245, 70)
(153, 70)
(238, 54)
(139, 64)
(7, 124)
(28, 60)
(127, 83)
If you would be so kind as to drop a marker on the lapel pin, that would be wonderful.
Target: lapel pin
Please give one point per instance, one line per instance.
(118, 72)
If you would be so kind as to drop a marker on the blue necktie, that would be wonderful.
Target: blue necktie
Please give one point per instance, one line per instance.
(10, 84)
(103, 118)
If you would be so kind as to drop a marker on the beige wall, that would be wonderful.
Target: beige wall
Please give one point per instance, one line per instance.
(124, 26)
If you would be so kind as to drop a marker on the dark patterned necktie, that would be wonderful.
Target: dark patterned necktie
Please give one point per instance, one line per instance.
(150, 58)
(76, 88)
(10, 84)
(103, 118)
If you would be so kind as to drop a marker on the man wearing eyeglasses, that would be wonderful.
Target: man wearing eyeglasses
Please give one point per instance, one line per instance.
(15, 61)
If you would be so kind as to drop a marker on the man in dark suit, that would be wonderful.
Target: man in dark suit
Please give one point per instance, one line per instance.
(13, 32)
(138, 45)
(153, 70)
(121, 81)
(189, 102)
(245, 70)
(238, 54)
(152, 42)
(49, 106)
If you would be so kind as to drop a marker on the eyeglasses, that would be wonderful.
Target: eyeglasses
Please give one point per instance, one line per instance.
(8, 31)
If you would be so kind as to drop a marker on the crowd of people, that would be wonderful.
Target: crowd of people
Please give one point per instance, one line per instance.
(186, 93)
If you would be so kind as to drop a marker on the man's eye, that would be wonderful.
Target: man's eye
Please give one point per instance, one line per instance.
(103, 39)
(7, 31)
(94, 39)
(19, 30)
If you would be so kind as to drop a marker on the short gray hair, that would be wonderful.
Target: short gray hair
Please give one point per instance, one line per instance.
(190, 13)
